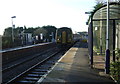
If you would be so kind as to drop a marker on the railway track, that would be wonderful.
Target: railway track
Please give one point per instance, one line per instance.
(26, 60)
(39, 71)
(14, 70)
(13, 54)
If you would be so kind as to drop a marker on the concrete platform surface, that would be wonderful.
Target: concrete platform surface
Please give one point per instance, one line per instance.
(74, 68)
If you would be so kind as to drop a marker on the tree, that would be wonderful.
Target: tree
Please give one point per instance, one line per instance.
(8, 32)
(7, 41)
(98, 6)
(38, 31)
(29, 30)
(16, 31)
(50, 29)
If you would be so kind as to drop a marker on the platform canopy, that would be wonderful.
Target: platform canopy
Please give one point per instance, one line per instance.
(100, 14)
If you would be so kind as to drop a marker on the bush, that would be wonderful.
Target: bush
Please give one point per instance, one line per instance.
(115, 70)
(115, 67)
(6, 42)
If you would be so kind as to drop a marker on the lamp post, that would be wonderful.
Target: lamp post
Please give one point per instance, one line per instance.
(13, 26)
(107, 58)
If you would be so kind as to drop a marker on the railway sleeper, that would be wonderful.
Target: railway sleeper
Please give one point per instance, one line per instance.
(42, 73)
(45, 67)
(35, 75)
(25, 81)
(50, 62)
(41, 70)
(31, 78)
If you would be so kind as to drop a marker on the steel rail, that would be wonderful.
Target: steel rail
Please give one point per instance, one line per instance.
(31, 68)
(17, 64)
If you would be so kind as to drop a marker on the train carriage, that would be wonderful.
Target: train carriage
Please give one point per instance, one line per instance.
(64, 36)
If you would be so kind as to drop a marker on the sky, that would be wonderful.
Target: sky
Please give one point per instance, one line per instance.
(34, 13)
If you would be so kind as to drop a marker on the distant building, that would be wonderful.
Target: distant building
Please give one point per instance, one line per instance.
(76, 36)
(84, 35)
(28, 38)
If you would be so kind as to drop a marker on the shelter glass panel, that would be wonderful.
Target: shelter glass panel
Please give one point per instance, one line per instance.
(117, 34)
(99, 36)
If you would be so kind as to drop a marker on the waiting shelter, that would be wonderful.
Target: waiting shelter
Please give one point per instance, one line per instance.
(97, 30)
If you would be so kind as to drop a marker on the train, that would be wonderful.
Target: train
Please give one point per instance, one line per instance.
(64, 36)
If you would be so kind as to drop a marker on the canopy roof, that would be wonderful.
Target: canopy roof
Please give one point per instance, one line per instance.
(101, 13)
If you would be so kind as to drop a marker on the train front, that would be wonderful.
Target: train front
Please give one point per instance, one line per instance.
(64, 36)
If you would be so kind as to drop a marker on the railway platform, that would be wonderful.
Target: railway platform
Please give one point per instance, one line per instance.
(74, 67)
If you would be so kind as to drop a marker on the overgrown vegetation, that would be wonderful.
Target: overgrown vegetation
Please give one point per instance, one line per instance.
(115, 67)
(20, 32)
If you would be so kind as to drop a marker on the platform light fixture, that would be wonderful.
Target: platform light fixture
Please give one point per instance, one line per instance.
(13, 26)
